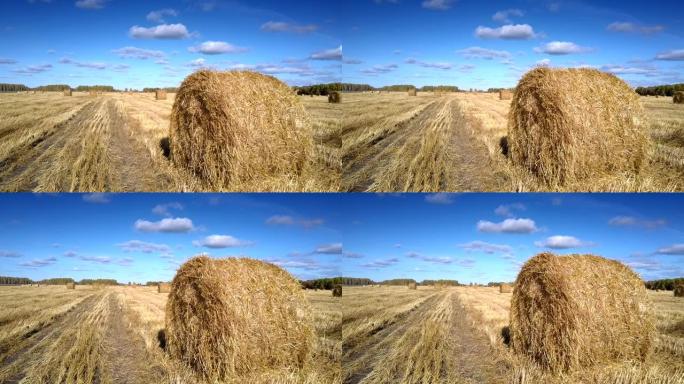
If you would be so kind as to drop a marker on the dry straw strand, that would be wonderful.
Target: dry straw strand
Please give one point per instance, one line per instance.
(236, 316)
(577, 311)
(566, 125)
(240, 130)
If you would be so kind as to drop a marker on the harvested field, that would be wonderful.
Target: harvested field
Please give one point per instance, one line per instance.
(117, 142)
(456, 142)
(116, 335)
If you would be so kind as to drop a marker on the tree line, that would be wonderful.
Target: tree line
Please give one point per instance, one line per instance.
(660, 90)
(5, 87)
(664, 284)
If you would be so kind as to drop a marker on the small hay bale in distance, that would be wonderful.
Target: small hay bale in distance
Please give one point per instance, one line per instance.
(334, 97)
(567, 125)
(238, 128)
(412, 92)
(67, 92)
(163, 288)
(505, 288)
(678, 97)
(505, 95)
(578, 311)
(412, 286)
(679, 290)
(337, 290)
(160, 94)
(70, 285)
(235, 316)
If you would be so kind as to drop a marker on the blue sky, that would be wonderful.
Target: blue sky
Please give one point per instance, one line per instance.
(144, 237)
(468, 237)
(486, 237)
(135, 44)
(482, 44)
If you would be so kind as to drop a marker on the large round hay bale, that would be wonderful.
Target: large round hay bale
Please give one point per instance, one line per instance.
(566, 125)
(70, 286)
(236, 129)
(678, 97)
(234, 316)
(163, 288)
(679, 290)
(505, 95)
(337, 290)
(412, 92)
(571, 312)
(412, 286)
(505, 288)
(334, 97)
(160, 94)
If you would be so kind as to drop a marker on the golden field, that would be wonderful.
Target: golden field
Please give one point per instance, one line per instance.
(50, 334)
(113, 143)
(455, 335)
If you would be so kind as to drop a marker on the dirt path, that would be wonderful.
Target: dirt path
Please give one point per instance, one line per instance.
(125, 351)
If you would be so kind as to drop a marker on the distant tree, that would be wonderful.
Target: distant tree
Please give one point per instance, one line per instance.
(57, 281)
(8, 280)
(4, 87)
(664, 284)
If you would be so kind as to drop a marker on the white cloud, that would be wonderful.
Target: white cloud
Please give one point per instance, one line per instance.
(515, 226)
(197, 63)
(159, 15)
(673, 55)
(328, 55)
(279, 26)
(485, 247)
(221, 241)
(35, 263)
(91, 4)
(629, 221)
(329, 249)
(168, 225)
(440, 198)
(80, 64)
(430, 259)
(561, 242)
(96, 198)
(483, 53)
(506, 32)
(138, 53)
(7, 61)
(9, 254)
(289, 220)
(438, 5)
(33, 69)
(425, 64)
(216, 48)
(561, 48)
(165, 209)
(380, 69)
(674, 249)
(352, 255)
(383, 263)
(70, 253)
(508, 209)
(543, 62)
(627, 27)
(144, 247)
(97, 259)
(163, 31)
(505, 16)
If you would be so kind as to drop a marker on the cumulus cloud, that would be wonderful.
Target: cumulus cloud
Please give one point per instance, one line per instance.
(674, 249)
(96, 198)
(216, 48)
(329, 249)
(440, 198)
(437, 5)
(561, 242)
(506, 32)
(138, 53)
(36, 263)
(144, 247)
(561, 48)
(673, 55)
(221, 241)
(506, 15)
(483, 53)
(168, 225)
(279, 26)
(425, 64)
(489, 248)
(509, 209)
(91, 4)
(629, 221)
(334, 54)
(380, 69)
(381, 263)
(159, 15)
(627, 27)
(9, 254)
(165, 209)
(513, 226)
(163, 31)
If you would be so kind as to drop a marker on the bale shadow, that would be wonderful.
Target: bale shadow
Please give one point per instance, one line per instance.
(503, 145)
(165, 146)
(506, 335)
(161, 338)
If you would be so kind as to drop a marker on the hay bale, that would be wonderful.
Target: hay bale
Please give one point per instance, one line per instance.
(236, 316)
(70, 286)
(337, 291)
(571, 312)
(67, 92)
(679, 290)
(334, 97)
(163, 288)
(566, 125)
(412, 92)
(412, 286)
(505, 95)
(678, 98)
(505, 288)
(160, 94)
(239, 127)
